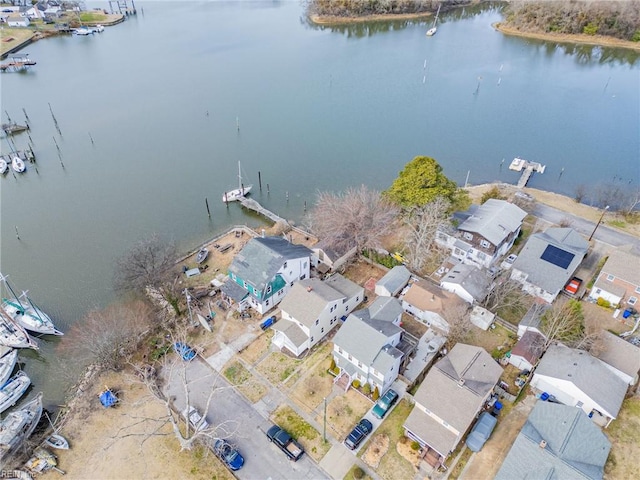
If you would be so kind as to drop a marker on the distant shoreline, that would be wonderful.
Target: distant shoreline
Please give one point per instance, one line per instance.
(596, 40)
(336, 20)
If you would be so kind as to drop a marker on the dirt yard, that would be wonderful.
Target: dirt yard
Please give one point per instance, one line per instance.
(624, 433)
(344, 411)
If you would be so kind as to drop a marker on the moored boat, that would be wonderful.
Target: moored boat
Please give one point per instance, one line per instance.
(19, 424)
(13, 389)
(17, 164)
(12, 334)
(8, 360)
(4, 166)
(238, 193)
(432, 31)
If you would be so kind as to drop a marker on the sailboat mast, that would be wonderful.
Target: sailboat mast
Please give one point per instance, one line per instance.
(6, 282)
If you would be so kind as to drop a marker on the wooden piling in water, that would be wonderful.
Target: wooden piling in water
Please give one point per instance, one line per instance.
(259, 180)
(25, 114)
(206, 201)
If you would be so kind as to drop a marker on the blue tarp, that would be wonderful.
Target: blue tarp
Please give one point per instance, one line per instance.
(108, 399)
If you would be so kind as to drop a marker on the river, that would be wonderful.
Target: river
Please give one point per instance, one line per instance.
(155, 113)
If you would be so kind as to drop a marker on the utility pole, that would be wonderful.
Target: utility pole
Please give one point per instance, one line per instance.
(599, 221)
(324, 427)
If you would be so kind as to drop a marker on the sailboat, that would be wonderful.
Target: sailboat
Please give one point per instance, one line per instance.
(8, 359)
(17, 164)
(12, 334)
(432, 31)
(18, 425)
(239, 192)
(4, 166)
(13, 389)
(26, 313)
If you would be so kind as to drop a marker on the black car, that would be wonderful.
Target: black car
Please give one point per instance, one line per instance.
(361, 430)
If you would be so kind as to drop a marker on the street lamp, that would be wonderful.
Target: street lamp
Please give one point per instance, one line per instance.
(598, 224)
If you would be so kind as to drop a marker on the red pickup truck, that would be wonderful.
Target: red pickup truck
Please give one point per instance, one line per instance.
(573, 286)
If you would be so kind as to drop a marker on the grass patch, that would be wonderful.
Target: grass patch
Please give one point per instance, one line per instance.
(244, 381)
(460, 464)
(356, 473)
(617, 223)
(302, 431)
(236, 373)
(624, 434)
(277, 367)
(260, 346)
(92, 17)
(393, 465)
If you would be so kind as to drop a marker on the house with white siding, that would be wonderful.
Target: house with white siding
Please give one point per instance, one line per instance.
(313, 308)
(392, 283)
(468, 282)
(366, 346)
(619, 280)
(428, 303)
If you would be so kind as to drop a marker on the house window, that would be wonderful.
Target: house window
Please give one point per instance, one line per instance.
(481, 256)
(268, 289)
(304, 265)
(346, 308)
(291, 284)
(244, 284)
(358, 298)
(637, 289)
(317, 321)
(303, 276)
(579, 404)
(467, 236)
(610, 278)
(322, 330)
(334, 319)
(458, 252)
(359, 364)
(340, 350)
(266, 303)
(311, 339)
(333, 307)
(632, 300)
(350, 357)
(484, 244)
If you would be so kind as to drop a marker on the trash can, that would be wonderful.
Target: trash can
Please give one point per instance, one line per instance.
(544, 397)
(626, 314)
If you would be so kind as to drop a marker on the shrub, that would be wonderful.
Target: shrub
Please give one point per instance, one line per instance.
(333, 364)
(590, 29)
(336, 370)
(376, 394)
(355, 384)
(494, 192)
(358, 473)
(415, 446)
(603, 303)
(366, 389)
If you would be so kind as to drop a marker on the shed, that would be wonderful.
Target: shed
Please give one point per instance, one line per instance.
(481, 317)
(393, 282)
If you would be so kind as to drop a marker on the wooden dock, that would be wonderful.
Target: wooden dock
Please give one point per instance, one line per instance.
(256, 207)
(11, 128)
(17, 63)
(24, 155)
(519, 164)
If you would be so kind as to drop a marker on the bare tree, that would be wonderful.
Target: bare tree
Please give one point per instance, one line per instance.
(563, 322)
(145, 265)
(358, 217)
(423, 223)
(632, 201)
(107, 337)
(505, 294)
(460, 326)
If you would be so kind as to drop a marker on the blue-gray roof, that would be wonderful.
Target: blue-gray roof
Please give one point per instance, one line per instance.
(541, 269)
(495, 220)
(395, 279)
(262, 257)
(574, 447)
(471, 278)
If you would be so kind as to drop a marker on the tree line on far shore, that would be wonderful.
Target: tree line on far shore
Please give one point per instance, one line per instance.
(616, 19)
(361, 8)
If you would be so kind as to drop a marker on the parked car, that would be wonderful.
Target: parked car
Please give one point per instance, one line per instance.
(359, 432)
(229, 455)
(195, 419)
(384, 403)
(573, 286)
(481, 431)
(285, 442)
(185, 351)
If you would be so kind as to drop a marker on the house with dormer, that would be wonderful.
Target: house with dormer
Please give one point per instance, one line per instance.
(486, 233)
(548, 261)
(367, 347)
(450, 398)
(312, 309)
(264, 271)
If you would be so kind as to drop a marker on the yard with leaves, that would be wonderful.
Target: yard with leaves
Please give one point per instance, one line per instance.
(344, 411)
(624, 434)
(236, 373)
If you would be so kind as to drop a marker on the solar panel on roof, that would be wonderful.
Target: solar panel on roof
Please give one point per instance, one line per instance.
(557, 256)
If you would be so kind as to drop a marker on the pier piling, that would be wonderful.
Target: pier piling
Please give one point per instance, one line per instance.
(206, 202)
(17, 234)
(259, 180)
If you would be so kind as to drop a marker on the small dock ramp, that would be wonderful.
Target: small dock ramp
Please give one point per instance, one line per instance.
(256, 207)
(519, 164)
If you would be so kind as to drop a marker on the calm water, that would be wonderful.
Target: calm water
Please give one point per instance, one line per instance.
(318, 108)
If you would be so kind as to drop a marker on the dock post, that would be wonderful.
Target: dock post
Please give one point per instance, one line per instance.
(305, 205)
(287, 195)
(267, 188)
(17, 234)
(206, 201)
(91, 139)
(259, 180)
(25, 114)
(8, 117)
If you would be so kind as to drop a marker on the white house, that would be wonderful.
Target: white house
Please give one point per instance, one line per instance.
(487, 233)
(575, 378)
(619, 280)
(428, 303)
(468, 282)
(264, 271)
(392, 283)
(620, 356)
(17, 21)
(481, 317)
(548, 261)
(449, 399)
(311, 309)
(330, 258)
(365, 347)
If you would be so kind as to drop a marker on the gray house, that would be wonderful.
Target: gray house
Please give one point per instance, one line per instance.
(468, 282)
(548, 261)
(557, 443)
(393, 281)
(366, 348)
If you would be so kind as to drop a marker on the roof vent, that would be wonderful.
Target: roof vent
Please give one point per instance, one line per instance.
(543, 444)
(461, 382)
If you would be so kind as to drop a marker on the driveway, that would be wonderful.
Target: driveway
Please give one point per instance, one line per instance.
(241, 423)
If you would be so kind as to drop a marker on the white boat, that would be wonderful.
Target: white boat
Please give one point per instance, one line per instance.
(26, 313)
(82, 31)
(13, 389)
(17, 164)
(432, 31)
(4, 166)
(12, 334)
(240, 192)
(98, 29)
(8, 359)
(42, 461)
(55, 440)
(202, 255)
(18, 425)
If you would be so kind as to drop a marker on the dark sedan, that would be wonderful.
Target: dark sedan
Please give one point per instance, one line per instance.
(359, 432)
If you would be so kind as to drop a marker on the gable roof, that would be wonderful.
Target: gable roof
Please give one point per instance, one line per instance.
(307, 299)
(395, 279)
(262, 257)
(549, 258)
(469, 277)
(343, 285)
(293, 332)
(495, 220)
(453, 390)
(530, 346)
(622, 265)
(580, 368)
(575, 447)
(620, 354)
(430, 298)
(333, 252)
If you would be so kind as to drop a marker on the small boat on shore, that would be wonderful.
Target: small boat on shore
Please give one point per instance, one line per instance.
(238, 193)
(432, 31)
(12, 334)
(17, 164)
(13, 389)
(55, 440)
(8, 360)
(18, 425)
(42, 461)
(202, 255)
(4, 166)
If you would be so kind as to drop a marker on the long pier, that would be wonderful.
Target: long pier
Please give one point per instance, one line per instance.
(518, 164)
(256, 207)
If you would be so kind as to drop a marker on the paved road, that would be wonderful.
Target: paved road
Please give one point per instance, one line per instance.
(603, 233)
(241, 423)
